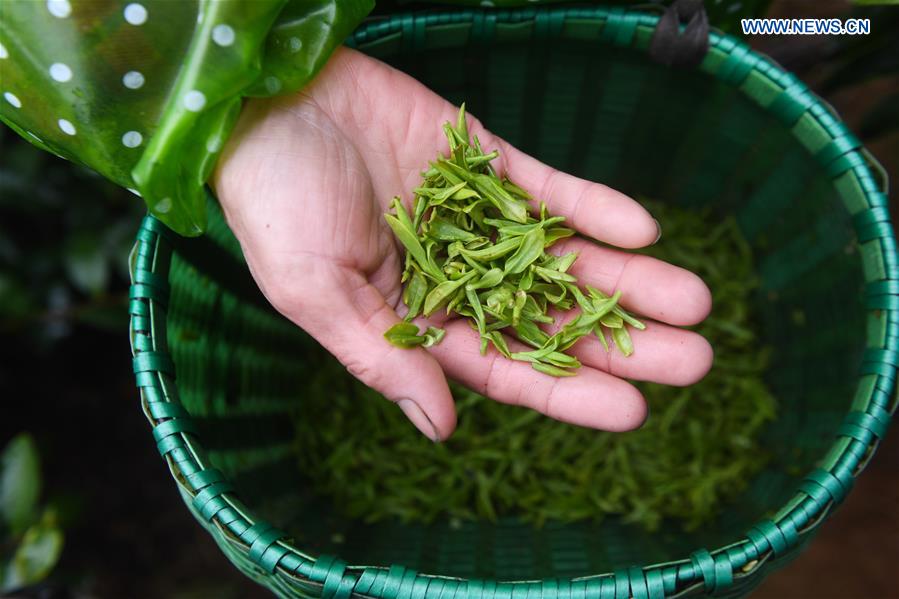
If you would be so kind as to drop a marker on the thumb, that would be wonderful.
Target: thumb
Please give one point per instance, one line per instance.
(411, 378)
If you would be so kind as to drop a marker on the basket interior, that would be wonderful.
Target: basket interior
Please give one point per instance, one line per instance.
(611, 115)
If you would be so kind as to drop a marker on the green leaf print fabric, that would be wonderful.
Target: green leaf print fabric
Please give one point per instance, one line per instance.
(147, 92)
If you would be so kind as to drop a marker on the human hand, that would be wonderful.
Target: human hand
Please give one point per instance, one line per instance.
(304, 183)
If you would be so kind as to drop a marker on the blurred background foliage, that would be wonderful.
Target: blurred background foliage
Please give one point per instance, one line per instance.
(32, 540)
(65, 235)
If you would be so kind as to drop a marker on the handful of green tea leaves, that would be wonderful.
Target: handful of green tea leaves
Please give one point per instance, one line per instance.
(699, 449)
(473, 247)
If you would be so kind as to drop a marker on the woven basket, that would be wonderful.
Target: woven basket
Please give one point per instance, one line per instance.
(575, 88)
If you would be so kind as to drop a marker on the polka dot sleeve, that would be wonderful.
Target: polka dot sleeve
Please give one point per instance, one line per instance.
(147, 92)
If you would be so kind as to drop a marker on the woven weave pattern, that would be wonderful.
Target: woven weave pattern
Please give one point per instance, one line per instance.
(571, 86)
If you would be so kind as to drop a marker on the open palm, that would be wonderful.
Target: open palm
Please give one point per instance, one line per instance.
(304, 183)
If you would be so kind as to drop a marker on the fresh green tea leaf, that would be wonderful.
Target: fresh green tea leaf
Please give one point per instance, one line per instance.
(442, 293)
(474, 248)
(551, 370)
(530, 249)
(414, 294)
(404, 334)
(433, 336)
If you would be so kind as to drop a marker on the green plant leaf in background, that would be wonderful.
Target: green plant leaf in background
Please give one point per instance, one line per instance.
(20, 483)
(86, 263)
(14, 297)
(31, 545)
(37, 554)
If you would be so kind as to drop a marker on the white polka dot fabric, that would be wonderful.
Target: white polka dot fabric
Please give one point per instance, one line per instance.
(146, 92)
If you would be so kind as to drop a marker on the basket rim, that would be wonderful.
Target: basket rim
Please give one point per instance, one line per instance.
(266, 555)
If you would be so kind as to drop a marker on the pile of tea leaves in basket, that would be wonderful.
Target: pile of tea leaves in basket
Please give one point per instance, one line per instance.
(473, 247)
(697, 449)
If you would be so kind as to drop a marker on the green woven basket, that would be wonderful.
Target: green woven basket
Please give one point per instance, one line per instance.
(737, 133)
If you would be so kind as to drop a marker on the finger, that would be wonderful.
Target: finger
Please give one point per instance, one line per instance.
(592, 398)
(662, 354)
(351, 326)
(595, 210)
(648, 286)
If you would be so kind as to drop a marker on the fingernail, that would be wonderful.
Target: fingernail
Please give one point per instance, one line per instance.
(659, 228)
(418, 417)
